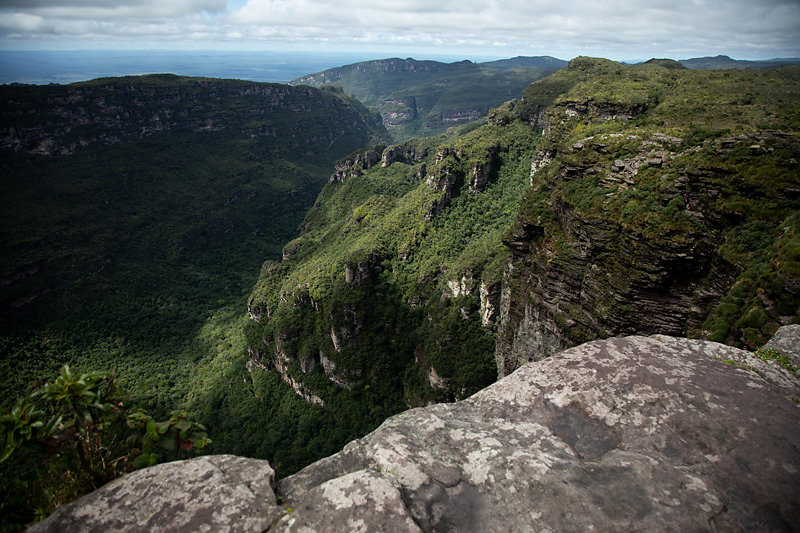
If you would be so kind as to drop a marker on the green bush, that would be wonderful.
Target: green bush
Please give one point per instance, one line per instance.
(74, 434)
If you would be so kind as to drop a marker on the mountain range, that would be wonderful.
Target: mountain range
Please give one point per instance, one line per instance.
(424, 98)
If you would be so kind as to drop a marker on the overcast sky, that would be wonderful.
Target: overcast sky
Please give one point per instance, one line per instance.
(617, 29)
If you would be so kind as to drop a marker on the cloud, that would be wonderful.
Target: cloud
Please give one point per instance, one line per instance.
(539, 24)
(113, 9)
(622, 28)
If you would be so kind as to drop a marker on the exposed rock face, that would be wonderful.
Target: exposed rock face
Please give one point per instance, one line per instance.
(601, 111)
(211, 493)
(446, 177)
(408, 152)
(355, 164)
(481, 172)
(585, 275)
(490, 302)
(452, 169)
(644, 433)
(398, 111)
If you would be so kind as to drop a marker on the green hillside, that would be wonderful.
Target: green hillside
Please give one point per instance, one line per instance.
(424, 98)
(658, 200)
(607, 200)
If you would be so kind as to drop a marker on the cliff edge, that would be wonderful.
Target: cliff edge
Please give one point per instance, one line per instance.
(632, 433)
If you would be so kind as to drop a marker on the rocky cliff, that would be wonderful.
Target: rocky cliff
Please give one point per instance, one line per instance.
(592, 207)
(626, 229)
(59, 119)
(635, 433)
(391, 289)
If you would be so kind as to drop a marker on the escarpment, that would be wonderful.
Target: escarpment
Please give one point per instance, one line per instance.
(392, 288)
(637, 231)
(425, 98)
(113, 110)
(587, 209)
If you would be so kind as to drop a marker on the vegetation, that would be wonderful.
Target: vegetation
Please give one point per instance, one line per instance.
(768, 354)
(73, 435)
(726, 175)
(376, 306)
(135, 254)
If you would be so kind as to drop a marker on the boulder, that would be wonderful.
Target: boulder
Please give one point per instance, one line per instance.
(210, 493)
(633, 433)
(786, 342)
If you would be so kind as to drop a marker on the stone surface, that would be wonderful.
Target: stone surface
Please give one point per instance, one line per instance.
(634, 433)
(786, 341)
(212, 493)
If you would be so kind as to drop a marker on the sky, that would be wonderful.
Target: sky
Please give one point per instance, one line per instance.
(616, 29)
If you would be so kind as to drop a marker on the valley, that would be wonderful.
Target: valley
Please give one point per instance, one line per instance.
(401, 263)
(135, 215)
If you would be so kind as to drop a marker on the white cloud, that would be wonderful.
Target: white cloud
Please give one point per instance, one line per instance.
(743, 28)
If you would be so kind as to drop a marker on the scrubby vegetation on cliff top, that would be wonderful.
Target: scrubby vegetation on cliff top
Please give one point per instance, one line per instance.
(680, 186)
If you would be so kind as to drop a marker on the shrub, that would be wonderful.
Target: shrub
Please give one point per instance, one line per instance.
(74, 434)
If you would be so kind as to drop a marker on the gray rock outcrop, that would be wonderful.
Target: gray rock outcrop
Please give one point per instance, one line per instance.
(211, 493)
(634, 433)
(786, 342)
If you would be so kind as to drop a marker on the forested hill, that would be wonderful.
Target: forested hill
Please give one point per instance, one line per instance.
(136, 211)
(609, 200)
(424, 98)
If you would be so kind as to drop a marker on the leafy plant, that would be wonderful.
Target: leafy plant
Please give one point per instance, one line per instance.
(178, 432)
(69, 437)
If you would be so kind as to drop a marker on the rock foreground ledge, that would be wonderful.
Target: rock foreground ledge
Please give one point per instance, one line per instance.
(635, 433)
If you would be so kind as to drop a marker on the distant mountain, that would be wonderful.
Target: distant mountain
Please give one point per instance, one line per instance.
(544, 62)
(725, 62)
(424, 98)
